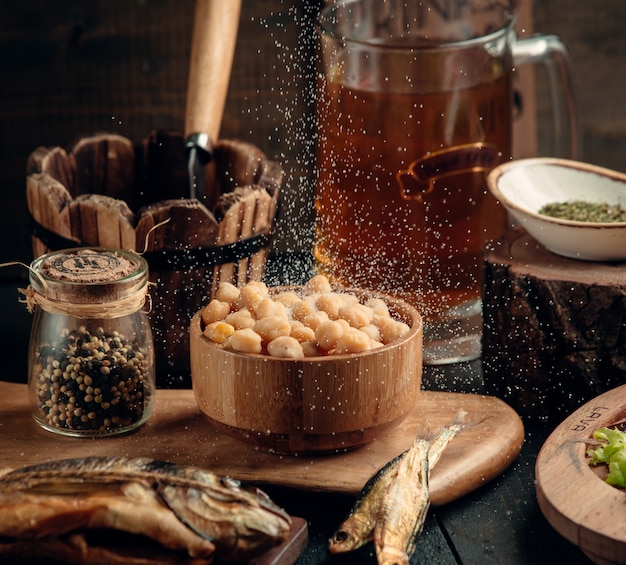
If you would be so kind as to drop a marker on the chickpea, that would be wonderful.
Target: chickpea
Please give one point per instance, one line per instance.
(318, 283)
(302, 309)
(353, 341)
(271, 328)
(311, 349)
(285, 347)
(219, 332)
(389, 328)
(301, 332)
(344, 324)
(348, 298)
(330, 303)
(321, 322)
(378, 305)
(372, 331)
(357, 315)
(240, 319)
(215, 311)
(288, 298)
(245, 340)
(327, 334)
(251, 295)
(227, 292)
(268, 307)
(314, 319)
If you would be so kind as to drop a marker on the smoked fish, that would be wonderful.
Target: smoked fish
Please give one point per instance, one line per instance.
(358, 527)
(403, 507)
(367, 515)
(99, 509)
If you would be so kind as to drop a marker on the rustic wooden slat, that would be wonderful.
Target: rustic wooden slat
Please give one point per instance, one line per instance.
(177, 294)
(34, 207)
(48, 203)
(238, 163)
(229, 232)
(102, 221)
(56, 162)
(105, 164)
(270, 175)
(115, 222)
(190, 225)
(246, 229)
(264, 216)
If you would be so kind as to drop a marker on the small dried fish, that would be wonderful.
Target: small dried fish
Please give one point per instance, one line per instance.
(192, 515)
(358, 527)
(403, 507)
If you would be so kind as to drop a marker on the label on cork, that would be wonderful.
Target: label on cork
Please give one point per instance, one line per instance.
(88, 266)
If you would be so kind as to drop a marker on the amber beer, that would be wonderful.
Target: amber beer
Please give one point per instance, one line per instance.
(402, 205)
(414, 109)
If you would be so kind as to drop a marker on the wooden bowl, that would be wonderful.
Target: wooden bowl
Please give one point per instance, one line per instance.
(313, 405)
(574, 496)
(524, 186)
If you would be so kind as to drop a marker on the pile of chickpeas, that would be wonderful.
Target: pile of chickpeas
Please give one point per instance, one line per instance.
(290, 324)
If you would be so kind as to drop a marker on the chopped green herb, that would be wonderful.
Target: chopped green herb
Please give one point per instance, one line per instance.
(611, 452)
(581, 211)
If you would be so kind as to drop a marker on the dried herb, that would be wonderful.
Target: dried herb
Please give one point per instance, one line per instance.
(581, 211)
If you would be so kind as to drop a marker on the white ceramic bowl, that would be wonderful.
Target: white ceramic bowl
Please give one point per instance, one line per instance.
(524, 186)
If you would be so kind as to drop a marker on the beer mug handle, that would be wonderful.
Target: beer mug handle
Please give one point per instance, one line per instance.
(552, 53)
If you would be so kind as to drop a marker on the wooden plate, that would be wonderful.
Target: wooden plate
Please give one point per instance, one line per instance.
(178, 432)
(573, 496)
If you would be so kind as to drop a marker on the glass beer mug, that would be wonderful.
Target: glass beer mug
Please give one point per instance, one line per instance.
(414, 108)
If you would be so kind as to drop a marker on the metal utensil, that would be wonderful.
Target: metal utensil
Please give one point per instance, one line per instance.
(212, 51)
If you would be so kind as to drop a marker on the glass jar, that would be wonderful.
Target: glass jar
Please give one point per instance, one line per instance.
(91, 356)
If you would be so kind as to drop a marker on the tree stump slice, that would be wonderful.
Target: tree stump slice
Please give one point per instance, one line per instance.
(554, 331)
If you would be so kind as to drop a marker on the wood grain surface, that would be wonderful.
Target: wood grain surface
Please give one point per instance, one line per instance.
(572, 496)
(309, 405)
(178, 432)
(288, 551)
(553, 327)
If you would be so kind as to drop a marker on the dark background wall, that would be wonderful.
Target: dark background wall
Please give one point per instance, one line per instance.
(70, 68)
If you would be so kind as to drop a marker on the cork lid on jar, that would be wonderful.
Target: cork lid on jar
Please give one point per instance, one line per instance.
(89, 275)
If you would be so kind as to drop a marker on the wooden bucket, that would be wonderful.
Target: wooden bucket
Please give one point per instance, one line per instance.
(105, 191)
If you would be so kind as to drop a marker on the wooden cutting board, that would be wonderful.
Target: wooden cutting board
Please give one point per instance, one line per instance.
(178, 432)
(572, 495)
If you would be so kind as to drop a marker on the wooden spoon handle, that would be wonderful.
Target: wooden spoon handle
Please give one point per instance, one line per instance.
(212, 50)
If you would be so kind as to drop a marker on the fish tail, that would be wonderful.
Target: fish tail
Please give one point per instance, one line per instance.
(446, 434)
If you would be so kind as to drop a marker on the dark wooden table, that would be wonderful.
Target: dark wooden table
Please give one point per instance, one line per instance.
(499, 524)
